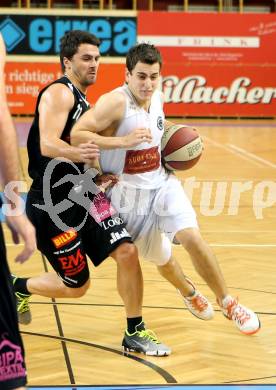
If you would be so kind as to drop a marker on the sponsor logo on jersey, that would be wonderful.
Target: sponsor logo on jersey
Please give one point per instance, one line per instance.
(72, 264)
(101, 208)
(160, 123)
(66, 250)
(63, 238)
(117, 236)
(141, 161)
(112, 222)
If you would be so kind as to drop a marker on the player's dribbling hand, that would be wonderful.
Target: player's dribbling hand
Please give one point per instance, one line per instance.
(89, 152)
(138, 136)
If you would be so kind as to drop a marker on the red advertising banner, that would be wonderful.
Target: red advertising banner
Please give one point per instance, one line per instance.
(219, 90)
(210, 38)
(215, 64)
(24, 80)
(197, 90)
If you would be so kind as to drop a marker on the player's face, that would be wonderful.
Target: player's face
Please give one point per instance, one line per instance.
(143, 80)
(84, 64)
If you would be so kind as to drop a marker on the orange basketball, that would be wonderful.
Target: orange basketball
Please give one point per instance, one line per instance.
(181, 147)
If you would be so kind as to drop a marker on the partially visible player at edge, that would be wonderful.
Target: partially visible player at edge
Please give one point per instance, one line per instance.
(129, 123)
(59, 106)
(10, 339)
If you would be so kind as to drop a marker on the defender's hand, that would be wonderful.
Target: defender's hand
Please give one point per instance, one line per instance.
(89, 152)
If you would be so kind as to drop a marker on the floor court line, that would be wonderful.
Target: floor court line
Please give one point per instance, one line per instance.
(228, 149)
(252, 155)
(259, 161)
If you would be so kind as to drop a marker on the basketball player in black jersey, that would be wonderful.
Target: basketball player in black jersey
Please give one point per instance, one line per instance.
(59, 106)
(12, 365)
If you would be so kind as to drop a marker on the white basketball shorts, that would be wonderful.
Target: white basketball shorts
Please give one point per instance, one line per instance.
(154, 216)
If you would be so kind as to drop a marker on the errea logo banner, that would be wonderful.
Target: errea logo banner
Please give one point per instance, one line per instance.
(40, 34)
(11, 33)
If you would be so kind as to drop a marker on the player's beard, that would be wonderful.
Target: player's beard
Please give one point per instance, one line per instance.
(89, 80)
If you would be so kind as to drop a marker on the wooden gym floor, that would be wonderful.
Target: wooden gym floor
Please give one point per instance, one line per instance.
(78, 341)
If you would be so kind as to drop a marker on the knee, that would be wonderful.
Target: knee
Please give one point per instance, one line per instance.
(167, 266)
(190, 239)
(126, 252)
(77, 292)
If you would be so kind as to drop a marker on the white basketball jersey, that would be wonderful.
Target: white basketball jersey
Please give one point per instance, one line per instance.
(140, 166)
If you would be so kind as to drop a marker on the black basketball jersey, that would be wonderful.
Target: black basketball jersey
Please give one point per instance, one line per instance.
(37, 162)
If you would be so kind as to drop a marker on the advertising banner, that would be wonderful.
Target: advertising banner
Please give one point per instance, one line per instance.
(188, 90)
(39, 34)
(215, 64)
(24, 81)
(216, 90)
(210, 37)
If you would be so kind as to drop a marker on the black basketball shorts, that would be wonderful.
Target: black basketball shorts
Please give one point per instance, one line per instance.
(67, 249)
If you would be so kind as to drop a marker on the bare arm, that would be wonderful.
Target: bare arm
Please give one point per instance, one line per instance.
(54, 107)
(104, 118)
(9, 163)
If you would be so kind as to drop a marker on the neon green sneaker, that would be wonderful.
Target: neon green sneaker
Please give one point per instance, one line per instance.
(144, 341)
(22, 305)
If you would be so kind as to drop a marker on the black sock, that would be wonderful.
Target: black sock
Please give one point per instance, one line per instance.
(132, 322)
(20, 285)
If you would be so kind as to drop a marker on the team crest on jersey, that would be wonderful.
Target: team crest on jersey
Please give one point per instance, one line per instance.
(160, 123)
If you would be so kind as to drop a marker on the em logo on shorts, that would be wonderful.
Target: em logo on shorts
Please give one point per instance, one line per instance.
(63, 238)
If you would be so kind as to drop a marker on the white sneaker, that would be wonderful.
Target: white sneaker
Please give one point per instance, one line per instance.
(245, 319)
(198, 305)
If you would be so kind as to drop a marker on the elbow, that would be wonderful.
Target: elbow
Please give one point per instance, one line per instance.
(46, 149)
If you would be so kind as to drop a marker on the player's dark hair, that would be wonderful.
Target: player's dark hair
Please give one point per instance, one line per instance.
(71, 41)
(145, 53)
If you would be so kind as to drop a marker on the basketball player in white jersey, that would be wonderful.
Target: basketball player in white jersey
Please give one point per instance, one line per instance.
(69, 249)
(128, 124)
